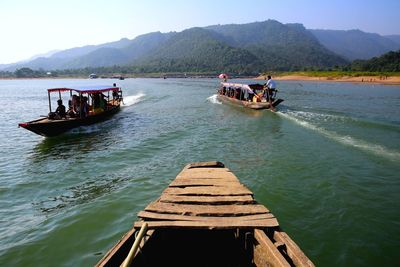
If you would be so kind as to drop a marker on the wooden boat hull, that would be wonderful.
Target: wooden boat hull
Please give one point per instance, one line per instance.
(247, 104)
(214, 230)
(49, 128)
(173, 247)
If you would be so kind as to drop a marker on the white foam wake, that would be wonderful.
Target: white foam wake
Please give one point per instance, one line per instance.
(132, 99)
(214, 99)
(375, 149)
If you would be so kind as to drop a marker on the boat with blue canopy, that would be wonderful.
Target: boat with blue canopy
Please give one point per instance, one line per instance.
(86, 105)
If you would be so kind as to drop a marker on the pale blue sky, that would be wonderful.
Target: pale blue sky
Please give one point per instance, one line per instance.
(30, 27)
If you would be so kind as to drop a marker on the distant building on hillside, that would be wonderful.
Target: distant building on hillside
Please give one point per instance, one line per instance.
(93, 76)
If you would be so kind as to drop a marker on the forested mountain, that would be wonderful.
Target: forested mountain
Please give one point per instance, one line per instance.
(143, 45)
(279, 46)
(389, 62)
(199, 50)
(237, 48)
(355, 44)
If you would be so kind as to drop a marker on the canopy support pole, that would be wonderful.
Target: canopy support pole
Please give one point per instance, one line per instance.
(49, 101)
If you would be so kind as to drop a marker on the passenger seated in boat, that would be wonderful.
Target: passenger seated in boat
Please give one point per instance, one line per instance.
(248, 95)
(96, 100)
(236, 94)
(70, 111)
(103, 102)
(75, 104)
(251, 95)
(60, 111)
(99, 103)
(85, 107)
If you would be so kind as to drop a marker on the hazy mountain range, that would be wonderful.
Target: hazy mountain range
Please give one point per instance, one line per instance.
(242, 48)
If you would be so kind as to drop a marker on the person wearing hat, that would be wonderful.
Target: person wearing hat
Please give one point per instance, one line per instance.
(60, 111)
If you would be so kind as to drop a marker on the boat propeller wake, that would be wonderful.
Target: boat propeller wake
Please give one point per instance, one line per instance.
(132, 99)
(213, 99)
(376, 149)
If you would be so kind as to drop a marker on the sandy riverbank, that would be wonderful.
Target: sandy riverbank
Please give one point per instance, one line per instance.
(393, 80)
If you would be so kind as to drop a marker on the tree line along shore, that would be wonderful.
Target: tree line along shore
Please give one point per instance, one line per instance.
(326, 76)
(383, 69)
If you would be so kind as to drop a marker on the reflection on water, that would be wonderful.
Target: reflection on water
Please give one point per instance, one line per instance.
(78, 141)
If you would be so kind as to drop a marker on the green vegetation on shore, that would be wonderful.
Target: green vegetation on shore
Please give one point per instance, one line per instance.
(386, 65)
(335, 74)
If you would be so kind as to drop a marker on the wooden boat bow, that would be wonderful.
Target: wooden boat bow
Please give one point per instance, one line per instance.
(206, 208)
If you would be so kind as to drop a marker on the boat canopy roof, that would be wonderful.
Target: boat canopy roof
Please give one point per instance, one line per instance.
(86, 89)
(249, 87)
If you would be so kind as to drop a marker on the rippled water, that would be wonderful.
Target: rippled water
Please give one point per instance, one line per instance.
(327, 165)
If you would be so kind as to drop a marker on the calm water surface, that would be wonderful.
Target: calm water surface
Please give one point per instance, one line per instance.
(327, 165)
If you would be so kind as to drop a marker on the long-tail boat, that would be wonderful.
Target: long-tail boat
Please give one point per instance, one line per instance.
(53, 125)
(254, 96)
(205, 217)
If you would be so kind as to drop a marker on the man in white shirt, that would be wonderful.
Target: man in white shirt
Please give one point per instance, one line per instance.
(270, 87)
(271, 83)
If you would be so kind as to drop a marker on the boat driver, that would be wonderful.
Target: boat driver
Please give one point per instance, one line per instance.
(270, 87)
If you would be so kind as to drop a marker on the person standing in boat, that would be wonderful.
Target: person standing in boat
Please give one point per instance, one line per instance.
(115, 93)
(270, 87)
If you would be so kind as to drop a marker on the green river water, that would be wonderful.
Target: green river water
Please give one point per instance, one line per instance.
(327, 164)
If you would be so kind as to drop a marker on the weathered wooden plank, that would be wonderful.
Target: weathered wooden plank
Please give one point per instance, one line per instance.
(209, 191)
(265, 253)
(210, 177)
(208, 164)
(246, 199)
(146, 215)
(206, 210)
(217, 180)
(206, 170)
(208, 225)
(203, 182)
(206, 174)
(293, 251)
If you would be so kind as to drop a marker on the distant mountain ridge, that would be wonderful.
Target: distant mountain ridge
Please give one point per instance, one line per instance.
(356, 44)
(279, 46)
(240, 48)
(389, 62)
